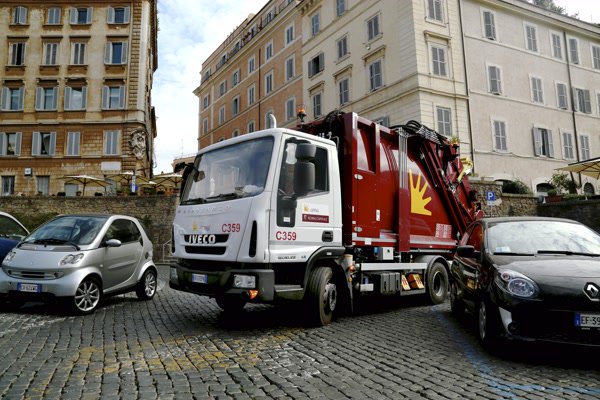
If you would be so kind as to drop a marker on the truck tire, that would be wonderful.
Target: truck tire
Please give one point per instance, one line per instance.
(321, 296)
(231, 304)
(437, 283)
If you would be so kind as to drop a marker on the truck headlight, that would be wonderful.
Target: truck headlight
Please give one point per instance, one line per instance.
(516, 284)
(244, 281)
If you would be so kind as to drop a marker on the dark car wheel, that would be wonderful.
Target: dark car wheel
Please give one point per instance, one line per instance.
(87, 296)
(488, 325)
(146, 287)
(437, 283)
(456, 304)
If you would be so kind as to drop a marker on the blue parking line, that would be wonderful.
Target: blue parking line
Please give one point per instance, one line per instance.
(482, 365)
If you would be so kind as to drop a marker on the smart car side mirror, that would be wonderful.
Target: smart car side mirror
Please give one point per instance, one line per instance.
(112, 243)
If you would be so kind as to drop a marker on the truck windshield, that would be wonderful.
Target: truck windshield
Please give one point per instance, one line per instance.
(231, 172)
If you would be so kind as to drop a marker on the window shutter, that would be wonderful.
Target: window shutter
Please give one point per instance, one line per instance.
(73, 15)
(550, 145)
(107, 53)
(321, 62)
(122, 97)
(124, 53)
(54, 104)
(68, 97)
(18, 145)
(89, 15)
(84, 97)
(105, 97)
(126, 16)
(310, 69)
(22, 15)
(575, 99)
(35, 146)
(51, 151)
(4, 98)
(111, 15)
(537, 142)
(587, 102)
(39, 98)
(2, 140)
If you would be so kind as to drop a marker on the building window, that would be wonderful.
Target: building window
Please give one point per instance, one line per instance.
(235, 106)
(19, 15)
(251, 92)
(251, 65)
(269, 120)
(531, 37)
(81, 16)
(373, 28)
(75, 97)
(8, 185)
(73, 143)
(434, 10)
(268, 51)
(78, 53)
(10, 143)
(556, 46)
(316, 102)
(584, 141)
(46, 98)
(43, 185)
(444, 121)
(500, 136)
(205, 126)
(562, 98)
(494, 79)
(251, 127)
(489, 25)
(574, 50)
(375, 75)
(17, 53)
(289, 69)
(235, 133)
(344, 91)
(118, 15)
(568, 146)
(289, 35)
(340, 7)
(222, 88)
(12, 99)
(342, 47)
(596, 57)
(537, 91)
(115, 53)
(583, 102)
(269, 82)
(53, 16)
(206, 102)
(290, 109)
(111, 142)
(43, 144)
(315, 24)
(113, 97)
(222, 115)
(50, 53)
(438, 61)
(235, 79)
(316, 65)
(542, 142)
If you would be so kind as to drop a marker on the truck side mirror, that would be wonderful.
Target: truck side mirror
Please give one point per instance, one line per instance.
(465, 251)
(304, 171)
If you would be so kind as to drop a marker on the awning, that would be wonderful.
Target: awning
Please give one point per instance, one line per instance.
(589, 167)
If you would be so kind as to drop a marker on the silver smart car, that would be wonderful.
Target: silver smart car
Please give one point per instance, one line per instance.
(79, 259)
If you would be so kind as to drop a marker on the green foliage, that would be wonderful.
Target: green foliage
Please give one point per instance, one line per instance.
(550, 5)
(562, 182)
(517, 187)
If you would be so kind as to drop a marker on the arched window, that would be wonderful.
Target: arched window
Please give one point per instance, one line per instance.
(588, 188)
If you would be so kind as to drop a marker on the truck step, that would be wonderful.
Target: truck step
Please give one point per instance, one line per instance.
(289, 292)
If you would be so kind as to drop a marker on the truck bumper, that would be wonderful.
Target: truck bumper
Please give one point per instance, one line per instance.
(219, 283)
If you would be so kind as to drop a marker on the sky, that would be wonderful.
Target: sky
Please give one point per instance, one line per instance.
(189, 31)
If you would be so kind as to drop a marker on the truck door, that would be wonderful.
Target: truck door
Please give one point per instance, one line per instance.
(365, 178)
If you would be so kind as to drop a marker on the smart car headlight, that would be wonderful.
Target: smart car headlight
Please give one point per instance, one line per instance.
(10, 256)
(516, 284)
(71, 259)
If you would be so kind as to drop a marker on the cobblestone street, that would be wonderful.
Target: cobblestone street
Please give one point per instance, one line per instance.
(180, 346)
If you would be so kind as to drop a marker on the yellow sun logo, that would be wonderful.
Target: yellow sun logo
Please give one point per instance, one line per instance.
(418, 202)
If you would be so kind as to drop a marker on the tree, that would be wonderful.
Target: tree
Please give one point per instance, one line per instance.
(549, 5)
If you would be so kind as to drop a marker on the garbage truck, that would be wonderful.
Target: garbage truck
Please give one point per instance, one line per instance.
(338, 210)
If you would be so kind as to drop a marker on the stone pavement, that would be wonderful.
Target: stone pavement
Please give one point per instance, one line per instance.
(180, 346)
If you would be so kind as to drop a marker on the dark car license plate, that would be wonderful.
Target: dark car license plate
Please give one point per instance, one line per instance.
(587, 320)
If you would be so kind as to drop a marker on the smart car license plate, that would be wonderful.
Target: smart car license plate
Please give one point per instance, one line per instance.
(199, 278)
(29, 287)
(587, 320)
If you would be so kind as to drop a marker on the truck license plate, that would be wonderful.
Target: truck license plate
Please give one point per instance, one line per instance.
(587, 320)
(29, 287)
(199, 278)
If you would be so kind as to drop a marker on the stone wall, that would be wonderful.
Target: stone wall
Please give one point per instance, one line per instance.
(155, 212)
(506, 204)
(584, 211)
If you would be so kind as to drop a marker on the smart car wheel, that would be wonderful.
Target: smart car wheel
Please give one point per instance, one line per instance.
(146, 288)
(87, 296)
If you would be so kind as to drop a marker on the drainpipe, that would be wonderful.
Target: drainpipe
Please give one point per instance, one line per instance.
(573, 115)
(469, 120)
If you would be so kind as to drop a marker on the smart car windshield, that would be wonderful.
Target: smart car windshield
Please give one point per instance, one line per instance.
(231, 172)
(77, 230)
(542, 237)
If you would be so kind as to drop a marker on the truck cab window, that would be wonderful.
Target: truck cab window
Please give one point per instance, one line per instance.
(286, 178)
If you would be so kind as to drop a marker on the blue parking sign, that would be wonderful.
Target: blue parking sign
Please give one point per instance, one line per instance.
(490, 196)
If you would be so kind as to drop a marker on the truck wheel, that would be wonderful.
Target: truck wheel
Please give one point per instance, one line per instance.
(231, 304)
(321, 296)
(437, 283)
(456, 304)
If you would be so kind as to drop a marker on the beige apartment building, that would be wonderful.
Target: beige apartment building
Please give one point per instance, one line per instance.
(256, 72)
(75, 92)
(517, 85)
